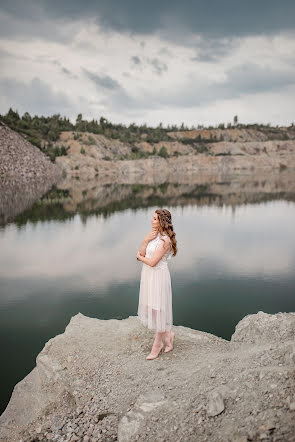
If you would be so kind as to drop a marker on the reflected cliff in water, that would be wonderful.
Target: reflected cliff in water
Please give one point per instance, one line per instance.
(72, 195)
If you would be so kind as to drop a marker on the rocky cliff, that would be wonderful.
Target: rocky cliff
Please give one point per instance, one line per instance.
(25, 173)
(94, 162)
(93, 383)
(90, 155)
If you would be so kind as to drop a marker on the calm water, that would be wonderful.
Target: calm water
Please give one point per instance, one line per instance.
(231, 262)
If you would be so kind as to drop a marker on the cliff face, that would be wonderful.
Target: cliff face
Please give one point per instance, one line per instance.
(25, 173)
(95, 161)
(94, 155)
(93, 383)
(236, 134)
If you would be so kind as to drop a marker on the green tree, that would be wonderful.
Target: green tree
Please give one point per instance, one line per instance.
(26, 116)
(163, 152)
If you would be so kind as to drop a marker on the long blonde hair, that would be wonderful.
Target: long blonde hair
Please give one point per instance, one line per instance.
(166, 227)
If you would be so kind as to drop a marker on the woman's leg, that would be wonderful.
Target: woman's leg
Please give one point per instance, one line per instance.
(156, 345)
(158, 337)
(167, 337)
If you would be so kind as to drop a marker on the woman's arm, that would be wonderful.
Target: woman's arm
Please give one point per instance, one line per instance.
(158, 254)
(143, 246)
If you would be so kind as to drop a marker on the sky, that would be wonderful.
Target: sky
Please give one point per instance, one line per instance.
(194, 61)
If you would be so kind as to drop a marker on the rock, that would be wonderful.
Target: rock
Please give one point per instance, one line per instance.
(269, 425)
(26, 174)
(131, 422)
(110, 391)
(216, 403)
(263, 327)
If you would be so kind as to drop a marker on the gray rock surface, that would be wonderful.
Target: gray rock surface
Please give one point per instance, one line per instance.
(93, 383)
(26, 173)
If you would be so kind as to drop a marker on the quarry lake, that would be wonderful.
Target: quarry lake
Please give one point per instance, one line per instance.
(233, 260)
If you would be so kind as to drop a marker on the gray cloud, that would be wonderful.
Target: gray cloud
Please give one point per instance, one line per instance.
(136, 60)
(174, 19)
(212, 50)
(158, 65)
(4, 55)
(197, 91)
(117, 97)
(36, 97)
(103, 81)
(66, 71)
(212, 30)
(252, 78)
(33, 24)
(165, 51)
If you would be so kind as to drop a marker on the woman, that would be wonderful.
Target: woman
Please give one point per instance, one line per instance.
(155, 294)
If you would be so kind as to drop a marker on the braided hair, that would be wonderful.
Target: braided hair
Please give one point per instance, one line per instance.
(166, 227)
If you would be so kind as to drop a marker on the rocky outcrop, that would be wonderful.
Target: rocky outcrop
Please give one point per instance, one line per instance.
(25, 173)
(238, 134)
(101, 157)
(176, 167)
(93, 383)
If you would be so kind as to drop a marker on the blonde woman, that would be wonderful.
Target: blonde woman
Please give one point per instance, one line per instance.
(155, 293)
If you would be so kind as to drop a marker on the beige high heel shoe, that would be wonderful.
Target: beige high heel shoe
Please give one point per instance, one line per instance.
(170, 347)
(155, 355)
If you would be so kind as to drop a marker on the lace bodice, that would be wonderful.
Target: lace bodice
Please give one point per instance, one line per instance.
(151, 247)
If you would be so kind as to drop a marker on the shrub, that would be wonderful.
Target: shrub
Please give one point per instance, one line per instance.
(90, 140)
(201, 148)
(163, 152)
(82, 150)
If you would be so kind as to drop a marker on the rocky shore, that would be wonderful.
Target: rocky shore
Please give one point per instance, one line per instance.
(93, 383)
(25, 174)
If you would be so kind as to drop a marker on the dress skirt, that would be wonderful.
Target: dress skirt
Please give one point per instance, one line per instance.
(155, 297)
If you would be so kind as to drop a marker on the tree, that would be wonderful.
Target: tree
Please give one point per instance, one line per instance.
(163, 152)
(26, 116)
(79, 119)
(235, 120)
(12, 116)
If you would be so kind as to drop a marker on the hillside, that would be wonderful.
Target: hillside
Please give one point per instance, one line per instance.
(90, 155)
(25, 173)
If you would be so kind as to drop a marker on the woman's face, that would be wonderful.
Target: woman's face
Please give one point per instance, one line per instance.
(155, 221)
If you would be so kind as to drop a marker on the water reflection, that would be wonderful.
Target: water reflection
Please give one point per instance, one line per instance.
(252, 241)
(74, 251)
(71, 196)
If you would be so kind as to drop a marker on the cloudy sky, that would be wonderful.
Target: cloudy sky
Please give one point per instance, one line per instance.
(197, 62)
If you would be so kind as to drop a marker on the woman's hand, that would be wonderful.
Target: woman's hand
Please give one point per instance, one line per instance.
(151, 235)
(139, 256)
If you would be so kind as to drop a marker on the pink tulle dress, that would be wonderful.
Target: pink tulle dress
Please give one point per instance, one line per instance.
(155, 293)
